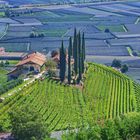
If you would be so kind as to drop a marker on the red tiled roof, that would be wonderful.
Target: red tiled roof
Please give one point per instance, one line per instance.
(36, 58)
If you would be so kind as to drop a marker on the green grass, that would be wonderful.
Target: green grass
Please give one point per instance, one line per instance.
(48, 14)
(68, 18)
(130, 51)
(13, 62)
(53, 33)
(106, 94)
(2, 14)
(3, 76)
(112, 28)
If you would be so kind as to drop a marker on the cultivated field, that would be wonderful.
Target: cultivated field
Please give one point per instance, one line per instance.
(106, 94)
(108, 31)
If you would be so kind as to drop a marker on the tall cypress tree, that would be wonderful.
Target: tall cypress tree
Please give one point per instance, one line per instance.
(75, 52)
(83, 46)
(83, 52)
(69, 60)
(62, 62)
(79, 58)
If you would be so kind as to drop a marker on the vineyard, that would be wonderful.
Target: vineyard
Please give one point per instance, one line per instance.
(106, 94)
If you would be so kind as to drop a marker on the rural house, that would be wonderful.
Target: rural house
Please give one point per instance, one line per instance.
(31, 63)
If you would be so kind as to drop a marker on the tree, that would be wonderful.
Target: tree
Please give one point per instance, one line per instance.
(75, 52)
(2, 64)
(107, 30)
(7, 62)
(124, 68)
(116, 63)
(83, 52)
(54, 53)
(7, 13)
(69, 60)
(33, 35)
(62, 62)
(110, 131)
(51, 65)
(79, 58)
(27, 124)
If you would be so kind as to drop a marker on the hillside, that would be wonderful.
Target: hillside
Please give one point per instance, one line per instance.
(106, 94)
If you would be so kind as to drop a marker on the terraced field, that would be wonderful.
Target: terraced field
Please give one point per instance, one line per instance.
(3, 29)
(106, 94)
(3, 76)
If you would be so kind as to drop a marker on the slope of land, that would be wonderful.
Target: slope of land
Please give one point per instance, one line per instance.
(106, 94)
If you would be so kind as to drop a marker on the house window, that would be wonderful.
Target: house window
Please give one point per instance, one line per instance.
(31, 68)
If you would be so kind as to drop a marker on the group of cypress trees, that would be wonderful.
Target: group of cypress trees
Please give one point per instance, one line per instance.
(76, 51)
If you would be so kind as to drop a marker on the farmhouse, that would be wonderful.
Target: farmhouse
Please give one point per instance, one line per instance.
(32, 63)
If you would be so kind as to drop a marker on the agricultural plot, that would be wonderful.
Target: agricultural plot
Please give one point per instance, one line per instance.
(95, 43)
(20, 28)
(26, 21)
(3, 76)
(125, 41)
(134, 73)
(47, 45)
(126, 35)
(134, 63)
(107, 60)
(3, 29)
(112, 28)
(136, 47)
(113, 20)
(118, 9)
(16, 47)
(106, 94)
(100, 36)
(133, 28)
(135, 4)
(107, 51)
(2, 14)
(68, 18)
(8, 20)
(16, 34)
(51, 32)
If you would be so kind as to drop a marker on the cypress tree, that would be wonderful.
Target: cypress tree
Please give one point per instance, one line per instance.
(74, 43)
(62, 62)
(69, 60)
(83, 53)
(75, 52)
(83, 46)
(79, 58)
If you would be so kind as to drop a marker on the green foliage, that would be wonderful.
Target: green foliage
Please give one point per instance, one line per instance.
(69, 60)
(9, 85)
(75, 52)
(50, 64)
(116, 63)
(62, 63)
(35, 35)
(110, 131)
(124, 128)
(27, 124)
(106, 94)
(78, 54)
(124, 68)
(2, 64)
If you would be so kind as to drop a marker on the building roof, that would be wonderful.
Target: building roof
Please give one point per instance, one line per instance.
(35, 57)
(11, 55)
